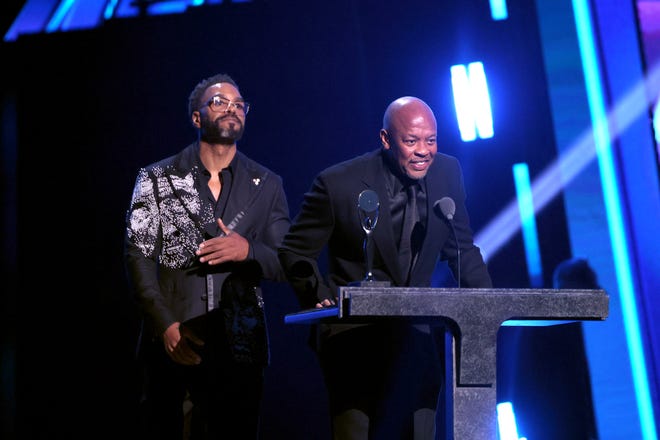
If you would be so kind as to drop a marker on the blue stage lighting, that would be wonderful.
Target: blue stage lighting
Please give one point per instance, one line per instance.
(472, 101)
(618, 236)
(498, 10)
(506, 421)
(528, 223)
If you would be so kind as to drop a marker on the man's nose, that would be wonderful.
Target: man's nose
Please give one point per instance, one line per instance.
(421, 149)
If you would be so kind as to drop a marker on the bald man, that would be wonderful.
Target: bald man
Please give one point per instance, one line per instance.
(383, 379)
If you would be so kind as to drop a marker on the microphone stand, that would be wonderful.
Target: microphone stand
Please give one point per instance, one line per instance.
(458, 253)
(446, 208)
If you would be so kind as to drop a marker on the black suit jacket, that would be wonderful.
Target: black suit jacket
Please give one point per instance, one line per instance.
(329, 216)
(166, 223)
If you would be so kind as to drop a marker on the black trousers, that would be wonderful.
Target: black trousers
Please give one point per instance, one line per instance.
(225, 395)
(379, 378)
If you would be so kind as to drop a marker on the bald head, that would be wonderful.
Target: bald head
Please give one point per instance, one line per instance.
(409, 136)
(404, 108)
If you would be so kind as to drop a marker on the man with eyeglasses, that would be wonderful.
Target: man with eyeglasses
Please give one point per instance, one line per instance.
(202, 231)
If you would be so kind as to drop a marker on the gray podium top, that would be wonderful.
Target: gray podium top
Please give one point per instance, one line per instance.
(475, 314)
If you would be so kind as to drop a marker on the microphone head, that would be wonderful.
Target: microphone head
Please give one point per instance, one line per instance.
(446, 206)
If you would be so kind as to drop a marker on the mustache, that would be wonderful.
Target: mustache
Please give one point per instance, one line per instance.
(222, 118)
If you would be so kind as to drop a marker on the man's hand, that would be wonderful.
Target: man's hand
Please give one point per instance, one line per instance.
(325, 303)
(177, 339)
(229, 247)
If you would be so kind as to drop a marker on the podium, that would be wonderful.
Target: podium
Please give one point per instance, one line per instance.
(473, 317)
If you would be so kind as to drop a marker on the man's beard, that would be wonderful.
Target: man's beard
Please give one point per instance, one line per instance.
(212, 133)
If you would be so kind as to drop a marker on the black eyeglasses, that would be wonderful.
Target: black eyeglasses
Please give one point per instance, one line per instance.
(220, 104)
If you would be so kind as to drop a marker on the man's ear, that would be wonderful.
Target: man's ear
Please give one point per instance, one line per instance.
(385, 138)
(196, 118)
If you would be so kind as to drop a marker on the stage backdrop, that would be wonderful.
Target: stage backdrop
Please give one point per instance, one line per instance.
(92, 106)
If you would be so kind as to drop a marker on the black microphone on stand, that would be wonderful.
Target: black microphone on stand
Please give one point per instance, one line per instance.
(446, 208)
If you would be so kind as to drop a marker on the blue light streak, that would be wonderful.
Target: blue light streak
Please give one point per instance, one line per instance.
(498, 10)
(110, 8)
(528, 221)
(472, 101)
(506, 422)
(483, 115)
(60, 14)
(462, 102)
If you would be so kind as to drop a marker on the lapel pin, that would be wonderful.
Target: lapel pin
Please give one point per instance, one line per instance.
(256, 181)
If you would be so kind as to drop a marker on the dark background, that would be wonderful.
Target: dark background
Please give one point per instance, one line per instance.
(92, 106)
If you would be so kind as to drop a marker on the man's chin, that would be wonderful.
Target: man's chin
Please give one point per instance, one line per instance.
(416, 174)
(222, 140)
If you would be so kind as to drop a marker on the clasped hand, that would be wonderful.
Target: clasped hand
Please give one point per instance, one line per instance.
(230, 246)
(179, 341)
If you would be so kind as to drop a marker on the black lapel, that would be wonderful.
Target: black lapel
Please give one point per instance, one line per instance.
(248, 183)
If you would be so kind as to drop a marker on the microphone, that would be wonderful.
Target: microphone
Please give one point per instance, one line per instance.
(446, 208)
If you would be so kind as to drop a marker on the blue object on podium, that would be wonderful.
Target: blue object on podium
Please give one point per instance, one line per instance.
(473, 316)
(308, 316)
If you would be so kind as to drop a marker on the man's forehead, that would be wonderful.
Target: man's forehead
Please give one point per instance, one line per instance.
(413, 118)
(221, 87)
